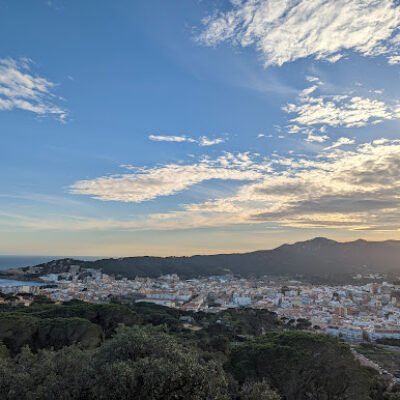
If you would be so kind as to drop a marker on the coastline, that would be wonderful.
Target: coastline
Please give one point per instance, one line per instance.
(12, 276)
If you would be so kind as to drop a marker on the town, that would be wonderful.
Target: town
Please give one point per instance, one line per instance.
(353, 313)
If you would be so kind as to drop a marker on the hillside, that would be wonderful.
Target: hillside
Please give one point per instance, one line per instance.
(80, 351)
(317, 258)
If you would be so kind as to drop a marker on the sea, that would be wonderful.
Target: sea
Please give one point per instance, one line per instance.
(25, 261)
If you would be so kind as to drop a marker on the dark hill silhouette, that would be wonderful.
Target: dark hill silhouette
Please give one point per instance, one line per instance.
(318, 258)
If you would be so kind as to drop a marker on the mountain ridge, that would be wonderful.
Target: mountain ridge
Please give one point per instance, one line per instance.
(317, 258)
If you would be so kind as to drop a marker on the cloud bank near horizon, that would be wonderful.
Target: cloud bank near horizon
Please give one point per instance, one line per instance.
(356, 189)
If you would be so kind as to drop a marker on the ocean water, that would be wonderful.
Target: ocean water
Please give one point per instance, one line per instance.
(20, 261)
(27, 261)
(23, 261)
(11, 282)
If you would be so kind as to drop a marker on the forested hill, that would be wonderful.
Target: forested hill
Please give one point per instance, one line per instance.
(319, 257)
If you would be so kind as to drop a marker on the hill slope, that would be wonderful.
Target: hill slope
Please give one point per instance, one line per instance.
(319, 257)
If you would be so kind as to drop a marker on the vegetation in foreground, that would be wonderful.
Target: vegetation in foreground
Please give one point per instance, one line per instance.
(111, 351)
(387, 358)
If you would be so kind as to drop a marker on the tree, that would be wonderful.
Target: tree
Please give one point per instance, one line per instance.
(19, 329)
(145, 363)
(258, 391)
(316, 327)
(47, 375)
(303, 323)
(4, 352)
(300, 365)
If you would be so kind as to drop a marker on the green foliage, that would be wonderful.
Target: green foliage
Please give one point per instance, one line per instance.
(155, 314)
(51, 325)
(391, 396)
(258, 391)
(4, 352)
(377, 384)
(47, 375)
(18, 329)
(107, 316)
(40, 299)
(236, 322)
(389, 341)
(137, 363)
(8, 296)
(60, 332)
(82, 351)
(150, 364)
(300, 365)
(302, 323)
(387, 358)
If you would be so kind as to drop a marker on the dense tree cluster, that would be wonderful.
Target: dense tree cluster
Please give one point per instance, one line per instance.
(50, 325)
(320, 366)
(137, 363)
(86, 351)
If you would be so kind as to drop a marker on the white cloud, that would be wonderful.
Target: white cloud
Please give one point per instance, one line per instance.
(283, 31)
(310, 132)
(149, 183)
(348, 189)
(311, 137)
(205, 141)
(297, 129)
(334, 58)
(19, 89)
(159, 138)
(394, 60)
(309, 90)
(202, 140)
(313, 79)
(340, 142)
(354, 189)
(357, 188)
(340, 110)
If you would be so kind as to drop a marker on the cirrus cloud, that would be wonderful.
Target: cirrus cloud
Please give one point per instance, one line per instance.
(283, 31)
(202, 140)
(340, 142)
(20, 89)
(162, 138)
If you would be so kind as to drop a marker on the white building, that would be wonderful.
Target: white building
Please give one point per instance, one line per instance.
(347, 333)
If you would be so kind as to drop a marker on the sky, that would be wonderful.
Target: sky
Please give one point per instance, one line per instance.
(181, 127)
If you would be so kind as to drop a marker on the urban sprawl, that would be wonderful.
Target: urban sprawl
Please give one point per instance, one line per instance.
(354, 313)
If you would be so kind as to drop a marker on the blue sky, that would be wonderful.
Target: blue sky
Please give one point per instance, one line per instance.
(187, 127)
